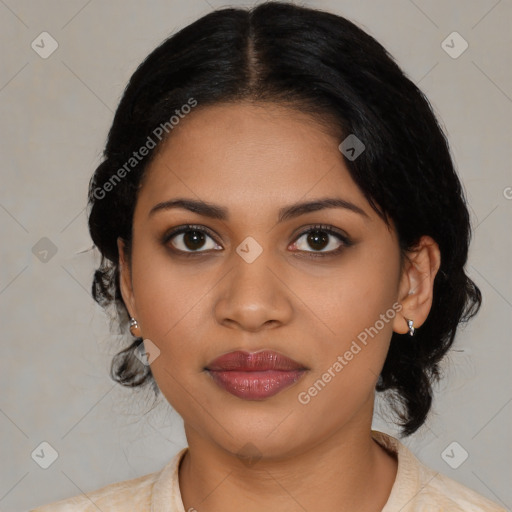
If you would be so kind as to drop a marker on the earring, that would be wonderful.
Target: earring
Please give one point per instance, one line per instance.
(133, 325)
(410, 325)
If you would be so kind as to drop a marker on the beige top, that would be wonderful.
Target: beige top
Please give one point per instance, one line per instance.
(417, 488)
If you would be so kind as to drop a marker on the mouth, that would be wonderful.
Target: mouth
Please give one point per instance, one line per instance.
(256, 375)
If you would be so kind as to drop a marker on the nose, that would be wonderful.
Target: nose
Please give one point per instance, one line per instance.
(253, 296)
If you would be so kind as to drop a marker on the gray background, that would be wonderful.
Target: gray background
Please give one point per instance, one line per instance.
(55, 114)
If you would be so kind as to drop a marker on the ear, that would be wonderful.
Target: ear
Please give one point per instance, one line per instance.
(125, 279)
(417, 284)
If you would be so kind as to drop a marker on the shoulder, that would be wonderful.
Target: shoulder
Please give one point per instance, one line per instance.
(159, 489)
(134, 494)
(418, 488)
(450, 495)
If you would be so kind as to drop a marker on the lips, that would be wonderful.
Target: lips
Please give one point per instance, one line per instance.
(254, 361)
(256, 375)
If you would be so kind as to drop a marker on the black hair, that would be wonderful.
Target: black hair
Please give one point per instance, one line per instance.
(322, 64)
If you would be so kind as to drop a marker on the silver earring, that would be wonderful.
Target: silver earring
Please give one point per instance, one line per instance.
(133, 325)
(410, 325)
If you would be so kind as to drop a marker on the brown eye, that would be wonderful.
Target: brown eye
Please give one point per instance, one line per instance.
(191, 239)
(323, 240)
(317, 239)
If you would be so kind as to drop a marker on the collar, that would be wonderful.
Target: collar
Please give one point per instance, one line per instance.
(166, 496)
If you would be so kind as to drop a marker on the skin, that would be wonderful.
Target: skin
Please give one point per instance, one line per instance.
(254, 159)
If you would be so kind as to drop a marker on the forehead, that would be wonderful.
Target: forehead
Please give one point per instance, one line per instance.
(246, 154)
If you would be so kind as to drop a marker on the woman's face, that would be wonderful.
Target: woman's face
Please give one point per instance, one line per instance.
(257, 280)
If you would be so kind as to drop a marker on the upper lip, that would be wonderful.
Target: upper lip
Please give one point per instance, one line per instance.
(254, 361)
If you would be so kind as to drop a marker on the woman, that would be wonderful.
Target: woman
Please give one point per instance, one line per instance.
(283, 229)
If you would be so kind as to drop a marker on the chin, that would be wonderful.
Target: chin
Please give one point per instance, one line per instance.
(259, 434)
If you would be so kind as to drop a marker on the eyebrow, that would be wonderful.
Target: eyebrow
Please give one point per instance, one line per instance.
(286, 213)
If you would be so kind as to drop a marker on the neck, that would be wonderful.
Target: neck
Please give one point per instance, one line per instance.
(347, 471)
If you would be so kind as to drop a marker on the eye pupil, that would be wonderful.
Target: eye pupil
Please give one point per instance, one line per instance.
(318, 237)
(191, 239)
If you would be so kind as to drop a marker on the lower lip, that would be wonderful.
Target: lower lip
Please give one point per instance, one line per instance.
(256, 385)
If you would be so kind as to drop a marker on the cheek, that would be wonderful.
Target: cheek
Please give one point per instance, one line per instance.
(358, 308)
(355, 295)
(168, 299)
(358, 305)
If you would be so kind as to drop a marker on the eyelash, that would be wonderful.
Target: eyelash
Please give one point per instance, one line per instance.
(346, 242)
